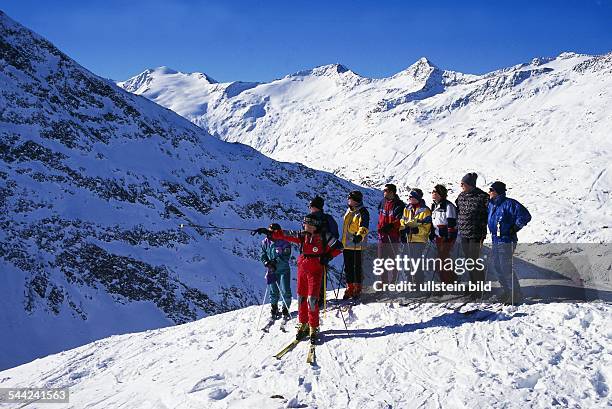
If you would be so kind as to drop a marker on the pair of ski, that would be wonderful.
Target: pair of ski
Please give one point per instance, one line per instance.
(271, 322)
(344, 305)
(310, 358)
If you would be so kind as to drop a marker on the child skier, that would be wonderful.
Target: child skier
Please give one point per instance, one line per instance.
(275, 255)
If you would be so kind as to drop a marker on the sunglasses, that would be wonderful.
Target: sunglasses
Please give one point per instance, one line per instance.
(433, 191)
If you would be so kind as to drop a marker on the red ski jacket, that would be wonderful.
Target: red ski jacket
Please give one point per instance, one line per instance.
(311, 247)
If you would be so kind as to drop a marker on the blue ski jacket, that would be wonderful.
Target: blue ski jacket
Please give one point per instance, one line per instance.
(506, 217)
(278, 251)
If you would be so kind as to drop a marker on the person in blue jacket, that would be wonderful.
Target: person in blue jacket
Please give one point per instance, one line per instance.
(506, 217)
(275, 255)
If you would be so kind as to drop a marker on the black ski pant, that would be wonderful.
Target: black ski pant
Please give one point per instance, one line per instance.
(352, 266)
(471, 251)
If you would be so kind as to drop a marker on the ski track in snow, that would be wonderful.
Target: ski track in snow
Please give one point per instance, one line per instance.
(391, 357)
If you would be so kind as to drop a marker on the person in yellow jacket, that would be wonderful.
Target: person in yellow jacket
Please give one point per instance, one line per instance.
(354, 236)
(415, 226)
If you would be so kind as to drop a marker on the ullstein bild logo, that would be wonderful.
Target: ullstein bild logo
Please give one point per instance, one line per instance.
(410, 266)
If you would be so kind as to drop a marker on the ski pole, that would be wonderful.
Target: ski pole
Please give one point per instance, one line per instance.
(262, 305)
(212, 227)
(339, 309)
(325, 292)
(281, 293)
(337, 289)
(395, 273)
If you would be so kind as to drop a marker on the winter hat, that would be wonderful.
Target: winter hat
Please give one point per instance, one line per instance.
(499, 187)
(391, 187)
(470, 179)
(317, 202)
(417, 194)
(313, 220)
(356, 195)
(441, 190)
(274, 226)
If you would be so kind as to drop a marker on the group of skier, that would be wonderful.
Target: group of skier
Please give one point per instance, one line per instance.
(414, 223)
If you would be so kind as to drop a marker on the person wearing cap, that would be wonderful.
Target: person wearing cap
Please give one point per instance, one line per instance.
(275, 255)
(354, 237)
(328, 224)
(390, 211)
(506, 217)
(444, 230)
(317, 249)
(415, 226)
(472, 205)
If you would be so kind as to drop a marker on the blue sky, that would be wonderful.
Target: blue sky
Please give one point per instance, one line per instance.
(263, 40)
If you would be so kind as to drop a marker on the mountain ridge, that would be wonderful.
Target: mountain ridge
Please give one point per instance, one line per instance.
(540, 123)
(95, 183)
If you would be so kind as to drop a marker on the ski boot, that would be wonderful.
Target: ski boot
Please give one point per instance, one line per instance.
(286, 313)
(348, 293)
(302, 330)
(314, 334)
(274, 312)
(356, 291)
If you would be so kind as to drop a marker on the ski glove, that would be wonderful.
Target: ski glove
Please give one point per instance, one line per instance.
(325, 259)
(262, 230)
(412, 223)
(386, 229)
(271, 265)
(357, 238)
(270, 277)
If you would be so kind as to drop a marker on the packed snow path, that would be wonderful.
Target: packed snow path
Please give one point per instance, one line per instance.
(391, 357)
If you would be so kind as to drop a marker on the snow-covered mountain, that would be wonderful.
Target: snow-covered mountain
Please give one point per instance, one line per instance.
(94, 183)
(542, 127)
(538, 356)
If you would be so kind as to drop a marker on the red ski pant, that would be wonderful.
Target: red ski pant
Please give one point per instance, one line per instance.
(308, 289)
(444, 246)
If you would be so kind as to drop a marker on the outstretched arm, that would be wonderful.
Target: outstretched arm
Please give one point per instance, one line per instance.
(293, 236)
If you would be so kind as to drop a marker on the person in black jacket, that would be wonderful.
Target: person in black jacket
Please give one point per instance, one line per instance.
(328, 225)
(472, 224)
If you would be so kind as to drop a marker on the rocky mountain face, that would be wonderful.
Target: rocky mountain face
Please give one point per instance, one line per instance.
(94, 185)
(541, 127)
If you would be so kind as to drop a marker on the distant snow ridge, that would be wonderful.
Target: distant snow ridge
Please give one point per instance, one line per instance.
(542, 127)
(94, 182)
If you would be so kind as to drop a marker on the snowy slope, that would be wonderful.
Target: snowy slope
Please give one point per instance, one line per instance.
(543, 127)
(94, 183)
(543, 356)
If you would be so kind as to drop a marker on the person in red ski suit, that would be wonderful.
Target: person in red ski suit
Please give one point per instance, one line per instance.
(317, 249)
(390, 212)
